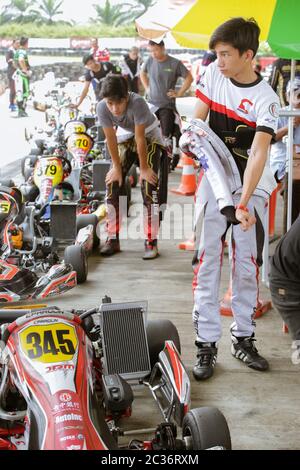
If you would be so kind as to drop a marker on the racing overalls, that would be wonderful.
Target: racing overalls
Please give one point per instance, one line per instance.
(154, 196)
(237, 111)
(21, 79)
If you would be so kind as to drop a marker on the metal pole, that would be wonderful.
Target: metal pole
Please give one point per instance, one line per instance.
(290, 150)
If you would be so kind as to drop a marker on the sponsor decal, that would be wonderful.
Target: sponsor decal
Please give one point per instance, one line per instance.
(59, 367)
(65, 397)
(68, 417)
(73, 447)
(274, 110)
(244, 104)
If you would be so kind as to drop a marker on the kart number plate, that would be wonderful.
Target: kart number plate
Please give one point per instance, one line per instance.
(4, 207)
(80, 141)
(49, 168)
(49, 343)
(74, 126)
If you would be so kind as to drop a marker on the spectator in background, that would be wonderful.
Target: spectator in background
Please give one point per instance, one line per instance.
(131, 67)
(208, 58)
(280, 75)
(11, 68)
(100, 55)
(95, 74)
(159, 76)
(22, 76)
(285, 283)
(279, 156)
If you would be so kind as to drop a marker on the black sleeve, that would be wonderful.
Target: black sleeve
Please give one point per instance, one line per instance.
(8, 56)
(87, 76)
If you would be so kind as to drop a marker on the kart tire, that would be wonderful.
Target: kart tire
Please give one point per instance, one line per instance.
(159, 331)
(84, 220)
(133, 176)
(203, 428)
(77, 257)
(7, 182)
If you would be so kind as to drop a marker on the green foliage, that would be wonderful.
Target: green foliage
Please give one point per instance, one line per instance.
(47, 10)
(19, 11)
(62, 30)
(112, 15)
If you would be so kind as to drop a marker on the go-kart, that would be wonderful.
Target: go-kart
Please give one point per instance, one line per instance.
(18, 282)
(68, 380)
(41, 234)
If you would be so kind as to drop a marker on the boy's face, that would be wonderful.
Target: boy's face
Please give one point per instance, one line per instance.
(117, 108)
(92, 65)
(229, 60)
(157, 52)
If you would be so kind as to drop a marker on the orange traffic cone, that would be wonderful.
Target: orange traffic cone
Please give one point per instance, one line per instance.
(272, 212)
(181, 162)
(187, 185)
(188, 245)
(225, 305)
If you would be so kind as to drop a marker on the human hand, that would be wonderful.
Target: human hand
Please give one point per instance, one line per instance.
(246, 219)
(114, 174)
(74, 106)
(172, 94)
(148, 174)
(296, 121)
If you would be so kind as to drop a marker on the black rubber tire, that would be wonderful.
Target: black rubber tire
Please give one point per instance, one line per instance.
(77, 257)
(133, 176)
(159, 331)
(205, 427)
(84, 220)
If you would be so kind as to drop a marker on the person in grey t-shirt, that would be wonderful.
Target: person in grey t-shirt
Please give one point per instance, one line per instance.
(159, 76)
(130, 113)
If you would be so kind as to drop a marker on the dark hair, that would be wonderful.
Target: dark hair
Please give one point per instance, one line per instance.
(23, 41)
(153, 43)
(114, 87)
(240, 33)
(86, 58)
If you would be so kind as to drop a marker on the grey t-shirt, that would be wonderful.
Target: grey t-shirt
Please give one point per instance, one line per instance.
(137, 113)
(163, 76)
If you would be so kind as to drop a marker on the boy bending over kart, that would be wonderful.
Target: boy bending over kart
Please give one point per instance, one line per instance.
(130, 112)
(243, 112)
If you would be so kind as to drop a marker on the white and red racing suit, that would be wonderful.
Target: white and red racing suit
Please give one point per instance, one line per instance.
(237, 111)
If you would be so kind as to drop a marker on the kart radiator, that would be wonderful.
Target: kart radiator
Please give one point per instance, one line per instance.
(125, 346)
(100, 169)
(63, 220)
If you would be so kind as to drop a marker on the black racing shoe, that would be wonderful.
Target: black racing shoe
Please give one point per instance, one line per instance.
(244, 349)
(206, 360)
(151, 250)
(111, 246)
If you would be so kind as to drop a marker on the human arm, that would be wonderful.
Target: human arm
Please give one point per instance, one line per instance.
(145, 80)
(201, 110)
(83, 94)
(253, 172)
(115, 173)
(185, 86)
(145, 171)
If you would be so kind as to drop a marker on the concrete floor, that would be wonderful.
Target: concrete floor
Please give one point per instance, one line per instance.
(261, 408)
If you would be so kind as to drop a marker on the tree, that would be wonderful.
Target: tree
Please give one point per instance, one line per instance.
(143, 5)
(19, 11)
(112, 15)
(47, 10)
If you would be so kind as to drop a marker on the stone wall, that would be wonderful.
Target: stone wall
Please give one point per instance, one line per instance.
(72, 70)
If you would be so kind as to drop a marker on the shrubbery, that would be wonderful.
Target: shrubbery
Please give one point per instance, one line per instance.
(33, 30)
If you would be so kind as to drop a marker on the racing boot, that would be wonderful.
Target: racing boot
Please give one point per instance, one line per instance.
(243, 348)
(151, 250)
(111, 246)
(206, 360)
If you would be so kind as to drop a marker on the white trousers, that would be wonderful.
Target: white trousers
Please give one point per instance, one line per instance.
(246, 257)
